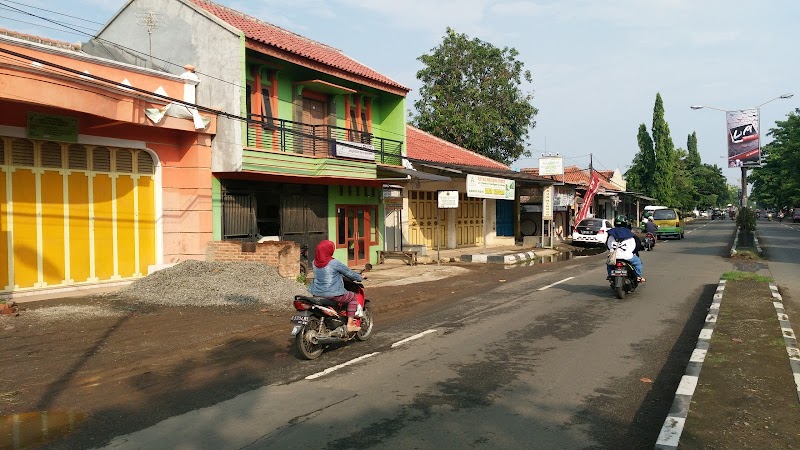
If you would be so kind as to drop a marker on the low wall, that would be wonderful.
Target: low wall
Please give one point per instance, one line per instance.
(284, 255)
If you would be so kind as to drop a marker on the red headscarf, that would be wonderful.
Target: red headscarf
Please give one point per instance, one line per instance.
(324, 254)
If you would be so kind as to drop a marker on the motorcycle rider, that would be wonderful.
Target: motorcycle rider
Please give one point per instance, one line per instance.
(626, 245)
(328, 281)
(651, 227)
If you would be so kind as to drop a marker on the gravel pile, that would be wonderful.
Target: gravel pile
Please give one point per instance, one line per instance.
(72, 312)
(200, 283)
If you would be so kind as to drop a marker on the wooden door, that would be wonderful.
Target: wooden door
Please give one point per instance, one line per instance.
(469, 226)
(358, 233)
(423, 220)
(315, 115)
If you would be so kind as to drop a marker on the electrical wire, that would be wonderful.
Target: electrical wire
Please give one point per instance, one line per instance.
(55, 12)
(40, 25)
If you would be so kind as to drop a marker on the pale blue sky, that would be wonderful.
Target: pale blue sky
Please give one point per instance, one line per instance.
(596, 65)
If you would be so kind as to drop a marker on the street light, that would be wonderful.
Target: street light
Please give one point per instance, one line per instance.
(744, 169)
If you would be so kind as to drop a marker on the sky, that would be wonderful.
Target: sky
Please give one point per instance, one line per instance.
(596, 65)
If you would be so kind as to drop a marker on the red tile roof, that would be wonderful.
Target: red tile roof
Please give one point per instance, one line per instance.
(580, 177)
(427, 147)
(288, 41)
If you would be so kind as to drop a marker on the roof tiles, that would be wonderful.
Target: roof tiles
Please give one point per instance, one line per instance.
(427, 147)
(288, 41)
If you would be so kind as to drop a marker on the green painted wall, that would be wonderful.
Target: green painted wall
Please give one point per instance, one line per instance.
(355, 196)
(216, 208)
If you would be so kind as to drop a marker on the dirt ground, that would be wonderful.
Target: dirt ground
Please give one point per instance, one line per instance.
(745, 397)
(78, 379)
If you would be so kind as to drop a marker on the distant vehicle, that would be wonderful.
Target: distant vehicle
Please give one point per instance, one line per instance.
(704, 214)
(591, 231)
(669, 223)
(718, 214)
(796, 215)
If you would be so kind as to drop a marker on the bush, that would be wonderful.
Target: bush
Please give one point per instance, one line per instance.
(746, 219)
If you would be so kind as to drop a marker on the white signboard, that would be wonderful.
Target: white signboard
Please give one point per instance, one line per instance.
(347, 149)
(547, 203)
(447, 199)
(479, 186)
(551, 165)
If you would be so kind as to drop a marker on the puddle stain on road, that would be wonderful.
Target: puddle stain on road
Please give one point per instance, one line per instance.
(31, 429)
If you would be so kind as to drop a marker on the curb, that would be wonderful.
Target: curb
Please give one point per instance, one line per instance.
(735, 240)
(670, 434)
(789, 337)
(499, 259)
(758, 246)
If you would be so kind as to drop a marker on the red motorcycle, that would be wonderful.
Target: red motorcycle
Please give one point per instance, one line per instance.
(649, 241)
(321, 321)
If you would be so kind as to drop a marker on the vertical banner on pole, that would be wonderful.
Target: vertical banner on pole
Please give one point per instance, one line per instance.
(744, 142)
(594, 185)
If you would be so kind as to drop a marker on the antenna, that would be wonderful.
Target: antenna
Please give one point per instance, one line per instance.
(152, 21)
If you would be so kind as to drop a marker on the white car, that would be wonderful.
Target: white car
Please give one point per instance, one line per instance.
(591, 231)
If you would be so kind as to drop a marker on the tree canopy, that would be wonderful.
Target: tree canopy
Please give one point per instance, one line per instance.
(675, 177)
(777, 183)
(472, 96)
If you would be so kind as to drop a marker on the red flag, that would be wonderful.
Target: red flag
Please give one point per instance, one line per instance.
(594, 185)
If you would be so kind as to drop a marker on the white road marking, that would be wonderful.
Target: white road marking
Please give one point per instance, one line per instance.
(557, 282)
(331, 369)
(416, 336)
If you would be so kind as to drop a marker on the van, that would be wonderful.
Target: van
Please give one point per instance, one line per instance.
(669, 222)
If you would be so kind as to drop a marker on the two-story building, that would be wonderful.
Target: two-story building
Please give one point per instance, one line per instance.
(309, 135)
(104, 173)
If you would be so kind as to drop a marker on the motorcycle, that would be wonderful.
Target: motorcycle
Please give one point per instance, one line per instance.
(649, 241)
(321, 321)
(623, 278)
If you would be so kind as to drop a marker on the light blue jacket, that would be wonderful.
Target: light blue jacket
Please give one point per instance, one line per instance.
(328, 280)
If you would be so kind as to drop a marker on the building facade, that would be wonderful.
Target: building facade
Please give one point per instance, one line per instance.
(309, 137)
(98, 182)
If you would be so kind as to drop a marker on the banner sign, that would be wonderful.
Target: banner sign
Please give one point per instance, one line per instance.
(551, 165)
(594, 185)
(479, 186)
(52, 127)
(346, 149)
(547, 203)
(393, 203)
(447, 199)
(744, 143)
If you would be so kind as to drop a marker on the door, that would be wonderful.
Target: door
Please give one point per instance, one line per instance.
(423, 220)
(357, 232)
(469, 227)
(505, 217)
(315, 114)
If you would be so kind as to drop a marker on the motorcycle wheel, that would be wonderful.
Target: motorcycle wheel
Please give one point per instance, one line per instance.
(366, 325)
(302, 341)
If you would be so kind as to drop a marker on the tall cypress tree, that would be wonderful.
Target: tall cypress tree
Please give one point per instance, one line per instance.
(663, 176)
(693, 161)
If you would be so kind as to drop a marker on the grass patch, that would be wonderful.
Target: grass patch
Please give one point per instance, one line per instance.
(745, 276)
(746, 253)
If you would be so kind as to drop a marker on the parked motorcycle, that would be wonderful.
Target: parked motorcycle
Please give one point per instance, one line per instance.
(321, 321)
(623, 278)
(649, 241)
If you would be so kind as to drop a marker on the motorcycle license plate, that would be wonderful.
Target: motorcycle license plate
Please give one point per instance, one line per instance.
(300, 319)
(619, 273)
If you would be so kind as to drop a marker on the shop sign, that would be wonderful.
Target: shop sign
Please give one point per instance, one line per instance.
(479, 186)
(349, 149)
(52, 127)
(447, 199)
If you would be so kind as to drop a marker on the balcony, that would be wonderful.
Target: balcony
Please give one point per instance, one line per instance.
(325, 141)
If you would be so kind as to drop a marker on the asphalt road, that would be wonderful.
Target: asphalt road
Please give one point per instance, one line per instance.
(549, 360)
(781, 244)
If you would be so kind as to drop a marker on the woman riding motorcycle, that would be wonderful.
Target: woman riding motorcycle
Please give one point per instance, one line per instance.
(328, 281)
(626, 245)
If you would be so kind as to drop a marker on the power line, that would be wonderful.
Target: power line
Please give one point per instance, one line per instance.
(40, 25)
(54, 12)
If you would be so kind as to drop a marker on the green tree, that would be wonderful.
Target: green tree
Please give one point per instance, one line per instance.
(777, 183)
(664, 174)
(693, 161)
(640, 175)
(472, 96)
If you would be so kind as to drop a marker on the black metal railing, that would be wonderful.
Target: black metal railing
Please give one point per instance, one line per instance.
(269, 133)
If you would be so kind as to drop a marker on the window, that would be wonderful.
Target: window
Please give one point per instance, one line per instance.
(664, 214)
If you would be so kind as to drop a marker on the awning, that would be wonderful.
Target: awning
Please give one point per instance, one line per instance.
(325, 87)
(414, 174)
(486, 171)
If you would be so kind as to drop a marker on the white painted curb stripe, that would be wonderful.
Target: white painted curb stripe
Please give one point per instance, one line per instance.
(416, 336)
(670, 434)
(334, 368)
(557, 282)
(789, 338)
